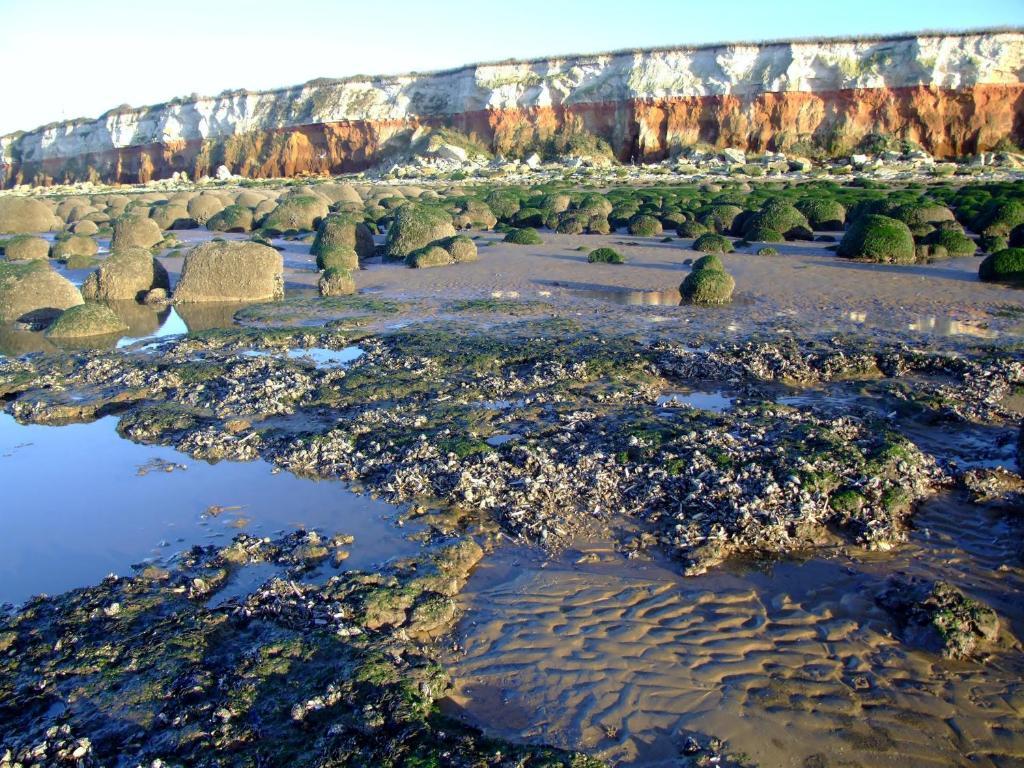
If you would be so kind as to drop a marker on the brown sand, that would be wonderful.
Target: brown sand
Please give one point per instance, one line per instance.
(794, 666)
(804, 288)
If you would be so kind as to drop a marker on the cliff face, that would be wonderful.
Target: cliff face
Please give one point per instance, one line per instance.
(952, 94)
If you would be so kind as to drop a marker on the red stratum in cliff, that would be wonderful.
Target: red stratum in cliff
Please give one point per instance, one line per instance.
(951, 94)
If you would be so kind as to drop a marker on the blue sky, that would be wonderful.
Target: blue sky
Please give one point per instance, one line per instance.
(73, 58)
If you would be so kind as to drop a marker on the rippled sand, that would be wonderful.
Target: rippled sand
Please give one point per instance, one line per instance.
(793, 665)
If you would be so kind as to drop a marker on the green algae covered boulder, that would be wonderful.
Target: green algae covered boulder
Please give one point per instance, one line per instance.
(524, 236)
(708, 286)
(460, 248)
(24, 215)
(713, 243)
(954, 241)
(414, 227)
(1005, 266)
(26, 248)
(822, 213)
(234, 218)
(27, 288)
(644, 226)
(428, 256)
(172, 216)
(85, 321)
(297, 213)
(337, 257)
(336, 281)
(343, 231)
(711, 261)
(605, 256)
(777, 216)
(708, 282)
(127, 274)
(231, 271)
(878, 238)
(691, 229)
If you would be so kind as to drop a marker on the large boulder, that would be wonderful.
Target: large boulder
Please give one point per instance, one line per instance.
(231, 271)
(301, 212)
(414, 227)
(204, 207)
(85, 227)
(23, 214)
(126, 274)
(171, 216)
(85, 321)
(343, 231)
(1005, 266)
(336, 281)
(878, 238)
(708, 282)
(76, 245)
(234, 218)
(26, 247)
(341, 194)
(135, 232)
(31, 287)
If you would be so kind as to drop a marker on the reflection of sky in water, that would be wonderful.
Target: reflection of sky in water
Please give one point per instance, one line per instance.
(630, 298)
(173, 325)
(321, 357)
(931, 324)
(103, 516)
(705, 401)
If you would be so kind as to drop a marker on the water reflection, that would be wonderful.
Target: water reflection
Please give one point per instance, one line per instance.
(630, 297)
(704, 401)
(116, 501)
(928, 324)
(170, 325)
(321, 357)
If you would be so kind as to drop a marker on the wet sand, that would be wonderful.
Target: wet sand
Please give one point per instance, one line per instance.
(791, 663)
(804, 288)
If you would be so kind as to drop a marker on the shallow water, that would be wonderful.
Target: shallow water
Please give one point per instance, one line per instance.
(171, 326)
(81, 502)
(704, 401)
(629, 297)
(321, 357)
(791, 663)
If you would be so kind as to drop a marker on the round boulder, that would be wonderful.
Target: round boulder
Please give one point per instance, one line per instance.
(135, 232)
(301, 212)
(126, 274)
(1005, 266)
(231, 271)
(343, 231)
(878, 238)
(708, 286)
(234, 218)
(414, 227)
(336, 282)
(82, 246)
(86, 227)
(171, 216)
(24, 214)
(32, 287)
(26, 247)
(84, 321)
(204, 207)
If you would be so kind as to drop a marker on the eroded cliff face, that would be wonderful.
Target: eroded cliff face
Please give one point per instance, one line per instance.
(952, 94)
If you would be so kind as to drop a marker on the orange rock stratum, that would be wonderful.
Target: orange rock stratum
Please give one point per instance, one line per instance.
(954, 94)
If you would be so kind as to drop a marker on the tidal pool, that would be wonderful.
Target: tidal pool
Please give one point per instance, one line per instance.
(81, 502)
